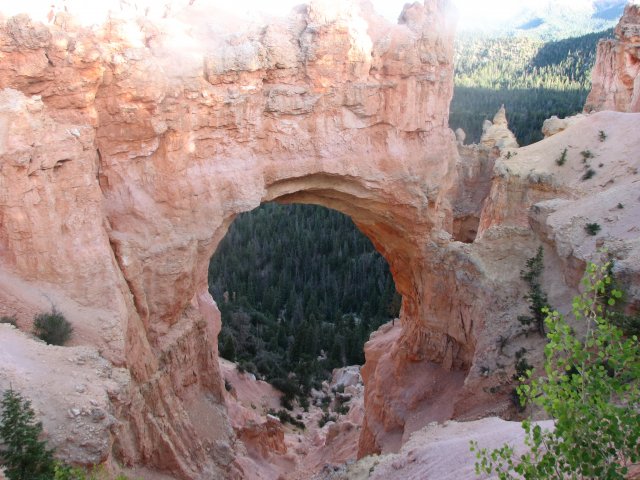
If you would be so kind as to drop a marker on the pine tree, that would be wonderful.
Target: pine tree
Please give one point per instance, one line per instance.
(23, 455)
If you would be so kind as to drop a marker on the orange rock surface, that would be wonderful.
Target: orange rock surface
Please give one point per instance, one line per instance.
(616, 74)
(128, 149)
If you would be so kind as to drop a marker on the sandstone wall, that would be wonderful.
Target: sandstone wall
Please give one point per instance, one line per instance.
(128, 149)
(615, 77)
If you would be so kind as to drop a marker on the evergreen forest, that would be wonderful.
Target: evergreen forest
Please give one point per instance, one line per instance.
(300, 289)
(533, 79)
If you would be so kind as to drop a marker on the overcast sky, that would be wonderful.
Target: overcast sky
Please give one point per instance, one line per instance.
(471, 12)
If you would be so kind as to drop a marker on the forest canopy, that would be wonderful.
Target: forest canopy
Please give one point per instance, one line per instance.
(300, 289)
(533, 79)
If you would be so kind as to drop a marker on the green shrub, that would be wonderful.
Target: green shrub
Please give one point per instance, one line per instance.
(11, 320)
(590, 387)
(588, 174)
(23, 456)
(592, 228)
(66, 472)
(602, 136)
(52, 327)
(522, 368)
(620, 206)
(537, 297)
(326, 418)
(562, 159)
(629, 324)
(586, 155)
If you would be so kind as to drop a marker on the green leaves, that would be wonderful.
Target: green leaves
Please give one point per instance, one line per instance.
(591, 388)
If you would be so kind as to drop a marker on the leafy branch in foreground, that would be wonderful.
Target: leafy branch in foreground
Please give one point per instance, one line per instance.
(590, 388)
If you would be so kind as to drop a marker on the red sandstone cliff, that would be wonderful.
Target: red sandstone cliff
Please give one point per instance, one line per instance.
(128, 148)
(615, 78)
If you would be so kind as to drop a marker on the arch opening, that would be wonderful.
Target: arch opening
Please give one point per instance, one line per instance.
(300, 289)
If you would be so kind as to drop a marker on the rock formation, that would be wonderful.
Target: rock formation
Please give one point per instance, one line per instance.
(616, 73)
(554, 125)
(127, 149)
(437, 451)
(497, 133)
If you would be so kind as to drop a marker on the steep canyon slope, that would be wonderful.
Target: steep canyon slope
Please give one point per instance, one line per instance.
(616, 83)
(127, 149)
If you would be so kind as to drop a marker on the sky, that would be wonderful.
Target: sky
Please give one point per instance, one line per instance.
(471, 12)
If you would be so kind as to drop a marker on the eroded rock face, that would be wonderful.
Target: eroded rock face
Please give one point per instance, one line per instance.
(497, 133)
(554, 125)
(126, 155)
(615, 77)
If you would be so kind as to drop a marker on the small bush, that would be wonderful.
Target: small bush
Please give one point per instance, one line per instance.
(562, 159)
(537, 297)
(629, 324)
(326, 418)
(66, 472)
(12, 320)
(525, 320)
(522, 367)
(602, 136)
(586, 155)
(52, 327)
(516, 400)
(592, 228)
(588, 174)
(286, 402)
(620, 206)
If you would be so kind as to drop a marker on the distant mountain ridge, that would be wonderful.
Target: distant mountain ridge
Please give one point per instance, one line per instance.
(550, 20)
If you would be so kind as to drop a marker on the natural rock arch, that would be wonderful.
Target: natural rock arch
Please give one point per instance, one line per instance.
(139, 166)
